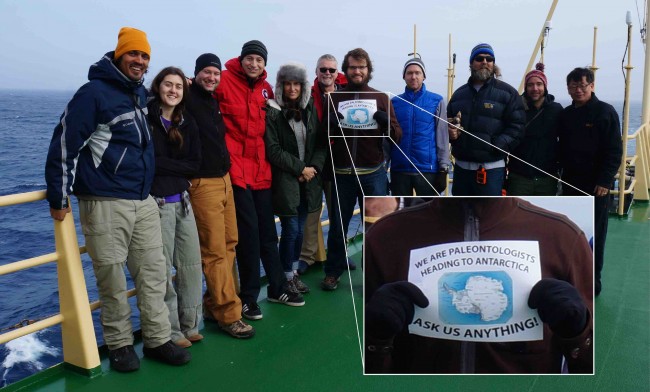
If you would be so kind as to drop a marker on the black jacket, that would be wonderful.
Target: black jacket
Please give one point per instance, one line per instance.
(539, 146)
(590, 145)
(174, 166)
(495, 114)
(205, 110)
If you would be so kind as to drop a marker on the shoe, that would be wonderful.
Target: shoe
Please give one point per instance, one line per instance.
(124, 359)
(351, 265)
(290, 297)
(330, 283)
(251, 311)
(300, 285)
(302, 267)
(168, 353)
(195, 338)
(598, 287)
(238, 329)
(183, 343)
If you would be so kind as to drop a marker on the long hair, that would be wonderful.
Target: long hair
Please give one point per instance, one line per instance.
(173, 132)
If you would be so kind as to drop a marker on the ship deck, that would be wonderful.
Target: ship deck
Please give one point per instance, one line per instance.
(316, 347)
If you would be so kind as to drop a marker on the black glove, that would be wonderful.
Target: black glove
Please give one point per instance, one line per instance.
(560, 306)
(381, 118)
(391, 309)
(440, 181)
(334, 118)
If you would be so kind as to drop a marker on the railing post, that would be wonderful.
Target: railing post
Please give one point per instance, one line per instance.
(79, 342)
(642, 167)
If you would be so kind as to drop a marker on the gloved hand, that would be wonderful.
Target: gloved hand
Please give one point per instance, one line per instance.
(391, 309)
(381, 118)
(440, 181)
(560, 306)
(334, 118)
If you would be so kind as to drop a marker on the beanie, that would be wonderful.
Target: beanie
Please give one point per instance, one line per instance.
(481, 49)
(206, 60)
(417, 62)
(254, 47)
(538, 72)
(131, 39)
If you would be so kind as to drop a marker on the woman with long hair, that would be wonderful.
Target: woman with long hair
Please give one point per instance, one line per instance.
(295, 149)
(178, 157)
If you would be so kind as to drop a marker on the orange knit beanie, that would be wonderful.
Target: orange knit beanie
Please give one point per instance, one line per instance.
(131, 39)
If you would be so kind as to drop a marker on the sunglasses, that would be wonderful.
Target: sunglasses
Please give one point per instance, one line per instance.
(324, 70)
(479, 59)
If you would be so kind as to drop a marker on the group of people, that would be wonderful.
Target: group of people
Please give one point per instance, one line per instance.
(189, 174)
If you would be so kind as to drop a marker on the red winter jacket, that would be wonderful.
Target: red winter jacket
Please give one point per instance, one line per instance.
(242, 108)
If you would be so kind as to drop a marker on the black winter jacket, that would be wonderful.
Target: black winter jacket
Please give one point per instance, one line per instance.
(539, 146)
(205, 110)
(590, 145)
(495, 114)
(174, 166)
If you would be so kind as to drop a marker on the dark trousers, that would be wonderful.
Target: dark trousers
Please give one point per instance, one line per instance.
(402, 184)
(347, 194)
(258, 239)
(465, 182)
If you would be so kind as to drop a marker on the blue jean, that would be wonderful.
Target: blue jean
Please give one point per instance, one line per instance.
(465, 182)
(291, 238)
(347, 194)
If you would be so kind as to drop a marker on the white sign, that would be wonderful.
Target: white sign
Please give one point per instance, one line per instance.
(478, 291)
(357, 114)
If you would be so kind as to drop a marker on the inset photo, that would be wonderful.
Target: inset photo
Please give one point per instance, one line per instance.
(478, 285)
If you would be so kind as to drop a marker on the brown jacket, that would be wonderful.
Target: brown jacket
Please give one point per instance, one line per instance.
(366, 151)
(564, 253)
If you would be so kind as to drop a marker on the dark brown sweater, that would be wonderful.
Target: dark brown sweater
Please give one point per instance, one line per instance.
(564, 253)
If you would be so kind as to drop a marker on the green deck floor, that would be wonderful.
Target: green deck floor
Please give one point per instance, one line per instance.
(316, 348)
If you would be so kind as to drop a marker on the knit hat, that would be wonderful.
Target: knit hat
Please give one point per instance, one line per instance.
(481, 49)
(206, 60)
(131, 39)
(416, 61)
(292, 72)
(538, 72)
(254, 47)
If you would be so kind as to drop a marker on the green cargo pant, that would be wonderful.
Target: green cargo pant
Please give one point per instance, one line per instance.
(127, 231)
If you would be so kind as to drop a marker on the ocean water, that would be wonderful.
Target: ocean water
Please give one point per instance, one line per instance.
(27, 119)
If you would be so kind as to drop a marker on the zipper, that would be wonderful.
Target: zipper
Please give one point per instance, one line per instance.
(471, 233)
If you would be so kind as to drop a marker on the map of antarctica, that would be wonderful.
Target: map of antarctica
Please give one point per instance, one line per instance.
(475, 298)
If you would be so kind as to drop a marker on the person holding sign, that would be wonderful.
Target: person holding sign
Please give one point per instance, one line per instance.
(493, 285)
(359, 118)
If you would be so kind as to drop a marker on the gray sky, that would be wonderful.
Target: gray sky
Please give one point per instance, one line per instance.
(50, 44)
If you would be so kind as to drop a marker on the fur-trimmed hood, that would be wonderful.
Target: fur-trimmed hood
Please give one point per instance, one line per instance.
(297, 72)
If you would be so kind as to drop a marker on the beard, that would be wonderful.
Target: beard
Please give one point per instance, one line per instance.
(363, 83)
(482, 74)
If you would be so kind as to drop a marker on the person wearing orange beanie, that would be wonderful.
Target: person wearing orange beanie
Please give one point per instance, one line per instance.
(132, 53)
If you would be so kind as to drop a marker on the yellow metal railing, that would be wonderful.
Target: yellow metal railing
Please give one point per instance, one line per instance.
(639, 184)
(78, 335)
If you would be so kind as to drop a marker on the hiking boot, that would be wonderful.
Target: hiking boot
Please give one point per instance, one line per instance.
(124, 359)
(300, 285)
(183, 343)
(251, 311)
(195, 338)
(168, 353)
(290, 297)
(330, 283)
(238, 329)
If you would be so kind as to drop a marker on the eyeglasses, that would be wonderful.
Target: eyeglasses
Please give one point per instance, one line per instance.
(480, 59)
(357, 67)
(574, 87)
(324, 70)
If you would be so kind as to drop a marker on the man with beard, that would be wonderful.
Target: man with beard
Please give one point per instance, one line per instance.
(539, 146)
(102, 148)
(359, 118)
(491, 116)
